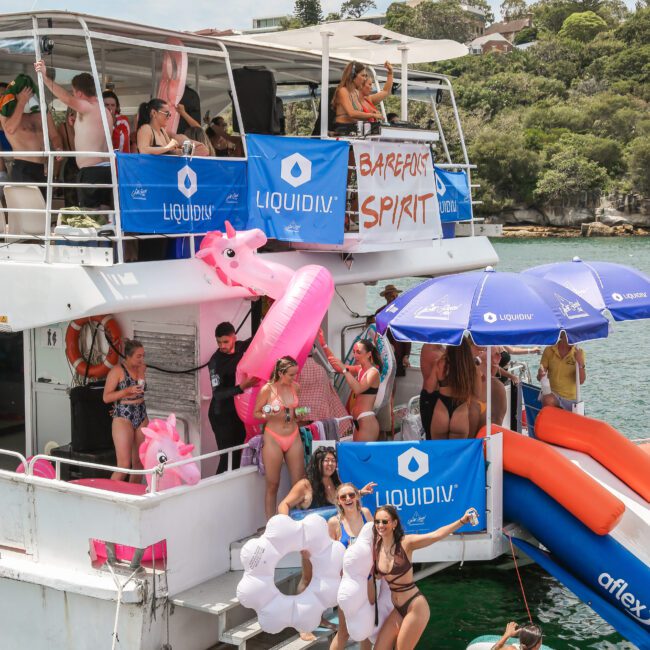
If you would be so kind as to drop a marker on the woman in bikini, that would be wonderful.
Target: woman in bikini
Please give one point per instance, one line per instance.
(153, 136)
(125, 387)
(365, 386)
(370, 99)
(448, 404)
(275, 406)
(345, 527)
(392, 553)
(346, 102)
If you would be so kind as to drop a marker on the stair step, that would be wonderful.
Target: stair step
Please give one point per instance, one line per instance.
(296, 643)
(218, 595)
(241, 633)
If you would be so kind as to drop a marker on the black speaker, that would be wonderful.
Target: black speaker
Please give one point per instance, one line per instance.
(91, 418)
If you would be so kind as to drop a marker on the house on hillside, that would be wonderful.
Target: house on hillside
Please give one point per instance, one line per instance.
(490, 43)
(509, 29)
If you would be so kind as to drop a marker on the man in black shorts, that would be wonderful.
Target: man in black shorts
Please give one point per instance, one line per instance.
(229, 430)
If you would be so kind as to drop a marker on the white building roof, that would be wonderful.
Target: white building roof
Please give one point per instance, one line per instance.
(362, 41)
(489, 38)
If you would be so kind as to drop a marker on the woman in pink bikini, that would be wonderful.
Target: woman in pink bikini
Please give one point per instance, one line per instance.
(275, 406)
(365, 387)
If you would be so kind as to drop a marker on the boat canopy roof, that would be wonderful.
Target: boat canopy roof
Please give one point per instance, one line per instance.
(361, 41)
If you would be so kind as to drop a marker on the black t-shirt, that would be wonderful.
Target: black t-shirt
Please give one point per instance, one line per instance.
(222, 368)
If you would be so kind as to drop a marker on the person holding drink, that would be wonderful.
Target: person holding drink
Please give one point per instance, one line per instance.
(125, 387)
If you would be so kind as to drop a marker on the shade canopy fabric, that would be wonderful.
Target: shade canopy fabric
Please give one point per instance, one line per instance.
(495, 308)
(621, 289)
(362, 41)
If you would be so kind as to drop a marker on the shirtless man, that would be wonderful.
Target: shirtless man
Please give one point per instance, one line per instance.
(24, 131)
(88, 134)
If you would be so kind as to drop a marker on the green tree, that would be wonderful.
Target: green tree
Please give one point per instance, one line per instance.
(568, 177)
(582, 26)
(435, 20)
(513, 9)
(485, 7)
(356, 8)
(606, 152)
(308, 12)
(526, 35)
(636, 29)
(638, 163)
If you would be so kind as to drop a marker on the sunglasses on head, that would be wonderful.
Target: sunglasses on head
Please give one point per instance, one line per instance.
(385, 522)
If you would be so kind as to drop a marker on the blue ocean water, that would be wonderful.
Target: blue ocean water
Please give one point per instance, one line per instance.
(480, 598)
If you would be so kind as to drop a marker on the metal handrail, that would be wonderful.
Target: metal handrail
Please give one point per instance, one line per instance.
(154, 472)
(15, 454)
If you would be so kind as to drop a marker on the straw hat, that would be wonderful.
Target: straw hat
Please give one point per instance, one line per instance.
(389, 288)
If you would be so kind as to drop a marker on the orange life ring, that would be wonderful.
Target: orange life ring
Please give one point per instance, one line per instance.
(172, 80)
(72, 351)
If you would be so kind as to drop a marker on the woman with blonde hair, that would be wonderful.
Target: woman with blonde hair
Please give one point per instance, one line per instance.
(369, 98)
(448, 401)
(345, 528)
(276, 407)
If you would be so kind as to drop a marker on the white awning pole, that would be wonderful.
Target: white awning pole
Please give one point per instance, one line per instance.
(405, 82)
(324, 82)
(488, 395)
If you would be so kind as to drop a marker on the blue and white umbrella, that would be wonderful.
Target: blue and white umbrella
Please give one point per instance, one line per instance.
(621, 289)
(495, 308)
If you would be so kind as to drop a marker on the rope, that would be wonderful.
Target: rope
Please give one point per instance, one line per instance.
(521, 584)
(120, 589)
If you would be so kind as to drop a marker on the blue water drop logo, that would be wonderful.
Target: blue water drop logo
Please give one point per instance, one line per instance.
(413, 465)
(295, 170)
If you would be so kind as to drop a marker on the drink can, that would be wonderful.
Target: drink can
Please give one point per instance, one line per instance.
(473, 518)
(187, 148)
(301, 411)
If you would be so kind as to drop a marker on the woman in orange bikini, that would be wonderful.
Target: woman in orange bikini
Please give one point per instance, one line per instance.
(369, 98)
(392, 553)
(275, 406)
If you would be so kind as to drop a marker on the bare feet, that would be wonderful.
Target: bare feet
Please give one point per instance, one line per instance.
(307, 636)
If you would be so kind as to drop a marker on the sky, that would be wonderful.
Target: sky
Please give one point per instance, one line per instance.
(220, 14)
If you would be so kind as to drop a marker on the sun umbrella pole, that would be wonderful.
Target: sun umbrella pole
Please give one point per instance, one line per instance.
(488, 394)
(577, 383)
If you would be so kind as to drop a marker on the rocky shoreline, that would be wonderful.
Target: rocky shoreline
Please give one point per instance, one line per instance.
(592, 229)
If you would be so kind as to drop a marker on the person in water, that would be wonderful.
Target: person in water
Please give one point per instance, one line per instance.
(276, 407)
(392, 553)
(448, 404)
(345, 528)
(530, 637)
(365, 386)
(125, 387)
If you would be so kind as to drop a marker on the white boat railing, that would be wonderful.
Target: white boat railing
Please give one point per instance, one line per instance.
(154, 472)
(19, 456)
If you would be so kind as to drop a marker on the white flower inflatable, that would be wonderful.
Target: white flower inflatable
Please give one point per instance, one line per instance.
(260, 556)
(353, 590)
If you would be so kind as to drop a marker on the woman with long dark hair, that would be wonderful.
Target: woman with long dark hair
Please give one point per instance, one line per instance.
(153, 136)
(448, 401)
(365, 386)
(392, 561)
(121, 127)
(530, 637)
(276, 406)
(125, 387)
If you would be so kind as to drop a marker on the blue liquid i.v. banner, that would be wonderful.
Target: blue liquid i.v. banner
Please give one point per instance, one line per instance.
(453, 195)
(177, 194)
(431, 483)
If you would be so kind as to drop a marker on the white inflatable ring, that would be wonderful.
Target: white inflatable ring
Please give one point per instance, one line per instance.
(353, 590)
(260, 556)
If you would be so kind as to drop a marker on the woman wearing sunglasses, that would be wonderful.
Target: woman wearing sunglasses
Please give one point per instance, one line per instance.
(392, 553)
(345, 527)
(153, 136)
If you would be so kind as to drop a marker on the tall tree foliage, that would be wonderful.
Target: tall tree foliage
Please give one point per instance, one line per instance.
(308, 12)
(513, 9)
(435, 20)
(356, 8)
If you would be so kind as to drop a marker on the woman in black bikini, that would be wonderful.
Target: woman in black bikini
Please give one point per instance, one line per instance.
(153, 137)
(346, 102)
(392, 552)
(448, 401)
(125, 386)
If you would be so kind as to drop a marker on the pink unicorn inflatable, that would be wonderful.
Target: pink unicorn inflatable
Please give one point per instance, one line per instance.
(302, 299)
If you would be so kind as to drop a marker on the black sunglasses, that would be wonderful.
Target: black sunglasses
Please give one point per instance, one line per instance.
(382, 521)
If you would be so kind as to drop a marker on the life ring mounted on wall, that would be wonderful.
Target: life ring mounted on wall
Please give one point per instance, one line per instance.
(113, 335)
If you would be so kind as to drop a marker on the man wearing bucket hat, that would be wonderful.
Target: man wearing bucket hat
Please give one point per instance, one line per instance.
(402, 350)
(21, 121)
